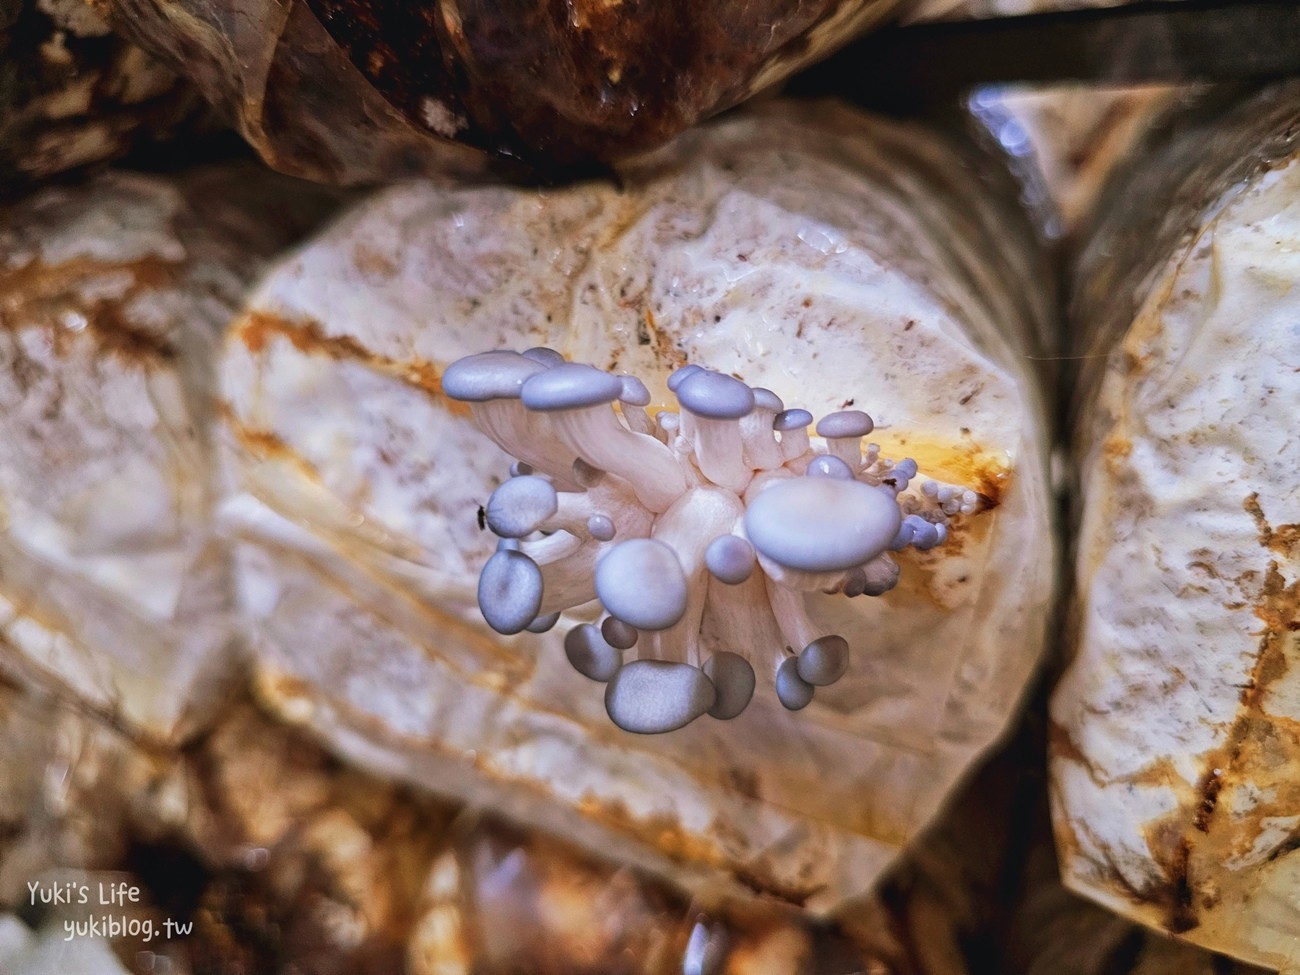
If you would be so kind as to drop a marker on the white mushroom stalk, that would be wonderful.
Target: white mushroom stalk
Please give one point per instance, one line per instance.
(730, 502)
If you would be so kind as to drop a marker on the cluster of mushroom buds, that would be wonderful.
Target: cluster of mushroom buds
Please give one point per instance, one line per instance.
(708, 523)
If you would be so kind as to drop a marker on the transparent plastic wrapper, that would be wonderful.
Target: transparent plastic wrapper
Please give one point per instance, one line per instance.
(977, 9)
(838, 260)
(72, 94)
(1174, 745)
(114, 586)
(332, 870)
(350, 91)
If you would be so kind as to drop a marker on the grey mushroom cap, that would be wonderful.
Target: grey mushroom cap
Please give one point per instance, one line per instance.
(543, 624)
(730, 558)
(617, 633)
(824, 661)
(642, 583)
(650, 697)
(634, 392)
(510, 591)
(792, 691)
(765, 399)
(926, 537)
(906, 532)
(791, 420)
(855, 582)
(917, 532)
(845, 423)
(733, 679)
(822, 524)
(547, 357)
(521, 505)
(590, 654)
(679, 376)
(715, 396)
(828, 465)
(880, 576)
(601, 527)
(570, 386)
(488, 376)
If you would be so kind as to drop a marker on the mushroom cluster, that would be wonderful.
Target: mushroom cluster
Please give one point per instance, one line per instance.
(698, 530)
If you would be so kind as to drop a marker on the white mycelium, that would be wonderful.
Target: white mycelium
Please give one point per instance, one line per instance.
(726, 507)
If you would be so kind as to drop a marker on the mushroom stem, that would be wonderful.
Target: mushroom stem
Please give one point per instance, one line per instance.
(791, 616)
(632, 402)
(719, 452)
(687, 527)
(762, 451)
(570, 580)
(595, 434)
(637, 419)
(847, 449)
(793, 427)
(516, 431)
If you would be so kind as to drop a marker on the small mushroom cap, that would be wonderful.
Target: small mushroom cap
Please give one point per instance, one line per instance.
(879, 576)
(824, 661)
(791, 420)
(650, 697)
(547, 357)
(520, 469)
(730, 558)
(521, 505)
(715, 396)
(926, 536)
(510, 591)
(634, 392)
(905, 468)
(906, 532)
(733, 678)
(601, 527)
(822, 524)
(792, 691)
(488, 376)
(765, 399)
(855, 583)
(641, 582)
(590, 655)
(828, 465)
(570, 386)
(543, 624)
(916, 531)
(679, 376)
(617, 633)
(845, 423)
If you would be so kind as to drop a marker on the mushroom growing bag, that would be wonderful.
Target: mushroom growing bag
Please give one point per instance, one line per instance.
(838, 262)
(114, 295)
(1174, 729)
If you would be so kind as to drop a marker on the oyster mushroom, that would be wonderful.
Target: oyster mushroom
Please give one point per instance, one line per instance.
(701, 508)
(1174, 753)
(795, 249)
